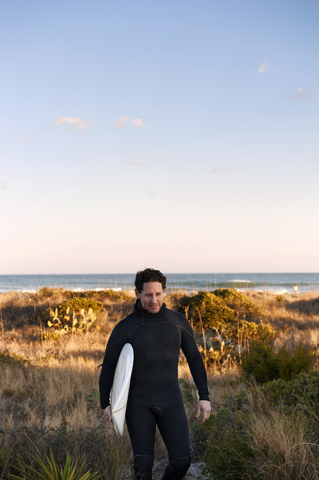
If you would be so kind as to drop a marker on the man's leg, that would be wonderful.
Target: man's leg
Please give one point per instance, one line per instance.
(141, 425)
(174, 429)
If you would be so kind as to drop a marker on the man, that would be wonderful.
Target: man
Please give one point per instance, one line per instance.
(156, 335)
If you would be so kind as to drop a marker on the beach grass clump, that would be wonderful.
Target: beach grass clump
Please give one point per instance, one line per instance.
(272, 446)
(267, 432)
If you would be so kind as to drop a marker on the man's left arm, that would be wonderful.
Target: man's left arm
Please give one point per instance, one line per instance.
(198, 371)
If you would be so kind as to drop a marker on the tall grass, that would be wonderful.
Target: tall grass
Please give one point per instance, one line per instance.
(49, 393)
(284, 446)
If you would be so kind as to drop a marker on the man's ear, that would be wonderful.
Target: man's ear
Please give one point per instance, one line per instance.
(137, 294)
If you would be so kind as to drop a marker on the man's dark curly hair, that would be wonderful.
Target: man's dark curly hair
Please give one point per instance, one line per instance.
(149, 275)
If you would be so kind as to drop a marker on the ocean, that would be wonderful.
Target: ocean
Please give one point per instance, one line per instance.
(190, 282)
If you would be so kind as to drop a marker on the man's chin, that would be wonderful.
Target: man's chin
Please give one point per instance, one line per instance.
(154, 310)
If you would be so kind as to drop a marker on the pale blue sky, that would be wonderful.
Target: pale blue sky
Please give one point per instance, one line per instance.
(176, 134)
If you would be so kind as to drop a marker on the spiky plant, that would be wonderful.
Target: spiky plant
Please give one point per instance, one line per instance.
(48, 470)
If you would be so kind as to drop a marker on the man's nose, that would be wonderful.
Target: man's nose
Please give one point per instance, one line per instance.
(153, 299)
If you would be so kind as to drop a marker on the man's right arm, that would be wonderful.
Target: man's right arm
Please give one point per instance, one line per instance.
(118, 338)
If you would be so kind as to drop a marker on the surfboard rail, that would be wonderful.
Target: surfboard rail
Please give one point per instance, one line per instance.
(121, 386)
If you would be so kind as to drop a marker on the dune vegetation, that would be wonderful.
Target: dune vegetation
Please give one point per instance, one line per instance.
(260, 350)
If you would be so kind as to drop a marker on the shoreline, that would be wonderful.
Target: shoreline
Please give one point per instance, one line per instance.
(278, 283)
(169, 290)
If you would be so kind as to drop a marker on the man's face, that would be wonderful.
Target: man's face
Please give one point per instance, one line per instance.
(151, 297)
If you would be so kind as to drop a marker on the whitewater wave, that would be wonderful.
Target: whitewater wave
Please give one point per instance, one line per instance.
(240, 281)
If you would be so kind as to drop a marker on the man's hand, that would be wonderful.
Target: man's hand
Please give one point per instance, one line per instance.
(203, 407)
(108, 413)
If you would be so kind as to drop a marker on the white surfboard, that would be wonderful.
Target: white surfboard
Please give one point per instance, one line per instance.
(121, 387)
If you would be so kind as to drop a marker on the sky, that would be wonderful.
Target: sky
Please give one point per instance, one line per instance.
(174, 134)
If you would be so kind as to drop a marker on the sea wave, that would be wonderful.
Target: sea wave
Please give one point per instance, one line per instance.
(240, 281)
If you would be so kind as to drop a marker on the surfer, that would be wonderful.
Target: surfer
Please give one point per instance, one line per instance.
(156, 334)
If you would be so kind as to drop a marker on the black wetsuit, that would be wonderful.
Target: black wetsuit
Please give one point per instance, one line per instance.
(155, 396)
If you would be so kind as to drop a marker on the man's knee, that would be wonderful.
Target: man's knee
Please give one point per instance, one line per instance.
(143, 465)
(176, 470)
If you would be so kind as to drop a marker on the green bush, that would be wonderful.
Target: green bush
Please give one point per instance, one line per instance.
(51, 292)
(227, 335)
(302, 391)
(265, 364)
(208, 308)
(79, 303)
(227, 456)
(243, 306)
(73, 315)
(8, 358)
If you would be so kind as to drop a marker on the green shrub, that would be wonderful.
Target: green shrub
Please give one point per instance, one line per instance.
(207, 307)
(8, 358)
(243, 306)
(223, 417)
(51, 292)
(302, 391)
(65, 319)
(227, 335)
(265, 364)
(79, 303)
(112, 295)
(227, 456)
(210, 311)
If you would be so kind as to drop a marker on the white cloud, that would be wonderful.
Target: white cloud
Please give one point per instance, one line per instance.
(138, 122)
(78, 124)
(123, 122)
(263, 67)
(218, 171)
(303, 94)
(26, 139)
(4, 185)
(132, 162)
(120, 123)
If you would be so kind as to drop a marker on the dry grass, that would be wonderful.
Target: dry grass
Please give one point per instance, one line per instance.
(282, 446)
(295, 318)
(52, 402)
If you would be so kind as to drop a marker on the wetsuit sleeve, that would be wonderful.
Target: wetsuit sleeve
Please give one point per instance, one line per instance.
(194, 360)
(113, 349)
